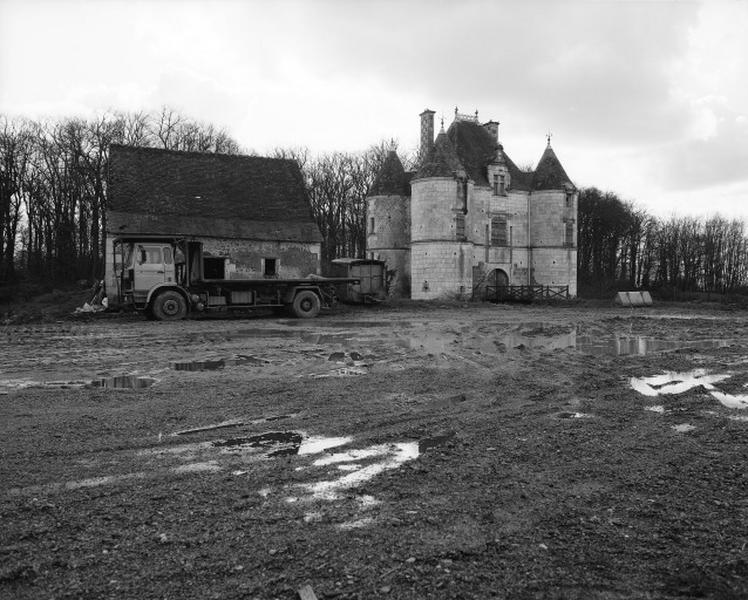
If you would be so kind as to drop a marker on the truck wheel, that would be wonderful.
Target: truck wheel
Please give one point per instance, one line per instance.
(169, 306)
(306, 305)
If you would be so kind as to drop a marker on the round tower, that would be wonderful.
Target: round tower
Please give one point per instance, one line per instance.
(440, 256)
(388, 224)
(553, 224)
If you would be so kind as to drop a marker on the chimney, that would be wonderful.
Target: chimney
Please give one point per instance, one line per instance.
(492, 127)
(427, 132)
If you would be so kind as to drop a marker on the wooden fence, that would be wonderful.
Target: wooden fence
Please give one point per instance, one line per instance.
(525, 293)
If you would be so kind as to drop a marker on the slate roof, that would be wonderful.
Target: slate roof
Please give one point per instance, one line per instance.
(549, 174)
(391, 179)
(471, 147)
(476, 149)
(158, 191)
(442, 160)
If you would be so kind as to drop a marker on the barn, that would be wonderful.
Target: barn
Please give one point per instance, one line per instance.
(251, 213)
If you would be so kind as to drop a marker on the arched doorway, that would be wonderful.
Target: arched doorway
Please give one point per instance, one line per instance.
(497, 282)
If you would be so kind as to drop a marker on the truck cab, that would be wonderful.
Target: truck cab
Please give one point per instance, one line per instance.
(144, 267)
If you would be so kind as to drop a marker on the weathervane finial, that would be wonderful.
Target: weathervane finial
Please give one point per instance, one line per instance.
(548, 137)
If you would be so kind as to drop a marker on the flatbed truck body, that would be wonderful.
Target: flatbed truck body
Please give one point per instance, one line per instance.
(164, 277)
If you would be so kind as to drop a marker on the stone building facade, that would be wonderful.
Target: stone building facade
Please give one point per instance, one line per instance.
(252, 214)
(468, 217)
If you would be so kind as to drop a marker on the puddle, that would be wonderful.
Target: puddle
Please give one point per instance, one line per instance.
(436, 441)
(12, 385)
(285, 443)
(684, 428)
(122, 382)
(219, 363)
(317, 444)
(389, 456)
(639, 345)
(342, 372)
(657, 408)
(677, 383)
(573, 415)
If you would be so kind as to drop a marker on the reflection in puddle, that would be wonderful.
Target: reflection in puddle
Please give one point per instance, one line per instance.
(219, 363)
(118, 382)
(640, 345)
(280, 443)
(129, 382)
(436, 441)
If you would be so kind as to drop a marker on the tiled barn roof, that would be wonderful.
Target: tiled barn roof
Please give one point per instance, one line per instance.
(158, 191)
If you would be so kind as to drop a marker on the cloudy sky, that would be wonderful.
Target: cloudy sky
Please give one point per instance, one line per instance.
(646, 98)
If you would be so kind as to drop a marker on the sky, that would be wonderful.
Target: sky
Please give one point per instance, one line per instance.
(644, 98)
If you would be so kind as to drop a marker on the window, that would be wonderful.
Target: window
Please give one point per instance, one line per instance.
(495, 184)
(167, 255)
(460, 226)
(149, 255)
(498, 231)
(371, 224)
(270, 267)
(569, 234)
(569, 199)
(502, 191)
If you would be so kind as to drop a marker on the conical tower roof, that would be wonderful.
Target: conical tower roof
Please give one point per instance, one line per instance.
(442, 160)
(549, 174)
(391, 179)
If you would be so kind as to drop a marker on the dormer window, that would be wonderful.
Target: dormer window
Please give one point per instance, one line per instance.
(569, 199)
(499, 184)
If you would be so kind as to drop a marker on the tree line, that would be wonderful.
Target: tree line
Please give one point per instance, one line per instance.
(53, 188)
(621, 246)
(53, 208)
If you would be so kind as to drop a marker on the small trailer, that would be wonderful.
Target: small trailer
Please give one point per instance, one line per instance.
(370, 275)
(169, 278)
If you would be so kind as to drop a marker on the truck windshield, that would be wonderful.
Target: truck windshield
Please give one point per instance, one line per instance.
(149, 255)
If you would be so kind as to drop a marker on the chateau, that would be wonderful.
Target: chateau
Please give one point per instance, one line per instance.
(468, 217)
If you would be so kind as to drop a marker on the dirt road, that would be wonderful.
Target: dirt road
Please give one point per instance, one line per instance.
(411, 452)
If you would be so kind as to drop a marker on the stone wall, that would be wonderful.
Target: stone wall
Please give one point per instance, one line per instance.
(390, 216)
(433, 205)
(389, 239)
(294, 259)
(441, 269)
(555, 267)
(549, 214)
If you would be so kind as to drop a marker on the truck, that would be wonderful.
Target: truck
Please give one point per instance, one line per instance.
(169, 278)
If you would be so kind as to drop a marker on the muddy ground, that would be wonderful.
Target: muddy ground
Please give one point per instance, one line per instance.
(410, 452)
